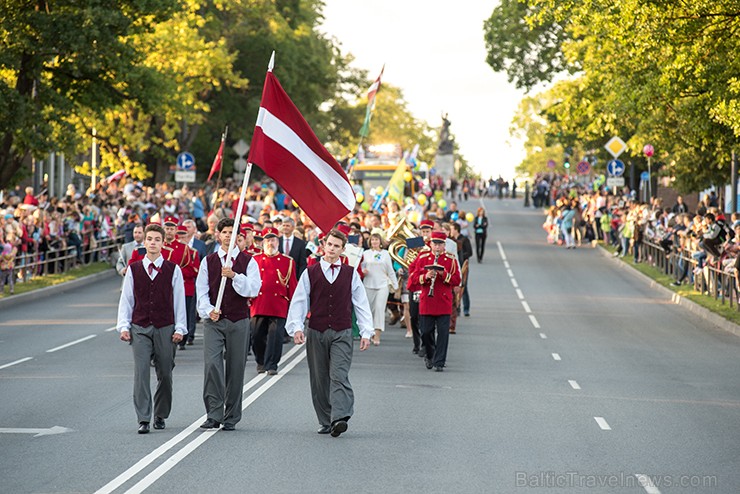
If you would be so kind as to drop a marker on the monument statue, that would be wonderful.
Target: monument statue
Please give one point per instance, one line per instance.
(446, 143)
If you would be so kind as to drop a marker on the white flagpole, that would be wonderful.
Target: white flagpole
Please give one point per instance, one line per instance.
(238, 216)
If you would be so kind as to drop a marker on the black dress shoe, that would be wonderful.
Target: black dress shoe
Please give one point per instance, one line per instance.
(428, 363)
(338, 427)
(143, 427)
(210, 424)
(438, 369)
(415, 351)
(190, 343)
(228, 427)
(324, 429)
(181, 346)
(158, 423)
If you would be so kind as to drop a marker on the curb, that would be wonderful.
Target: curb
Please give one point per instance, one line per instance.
(55, 289)
(677, 299)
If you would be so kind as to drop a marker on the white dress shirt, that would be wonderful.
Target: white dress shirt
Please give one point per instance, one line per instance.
(245, 284)
(126, 303)
(300, 304)
(285, 240)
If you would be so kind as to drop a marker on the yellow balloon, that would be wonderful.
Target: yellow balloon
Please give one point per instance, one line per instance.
(295, 205)
(422, 199)
(407, 177)
(379, 190)
(359, 197)
(469, 217)
(442, 203)
(414, 217)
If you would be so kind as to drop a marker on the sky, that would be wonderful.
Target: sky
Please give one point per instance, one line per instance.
(434, 51)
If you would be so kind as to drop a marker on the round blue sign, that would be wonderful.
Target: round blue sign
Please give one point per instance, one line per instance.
(185, 161)
(644, 176)
(615, 168)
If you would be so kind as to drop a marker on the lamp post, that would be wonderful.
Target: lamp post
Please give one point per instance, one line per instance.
(648, 151)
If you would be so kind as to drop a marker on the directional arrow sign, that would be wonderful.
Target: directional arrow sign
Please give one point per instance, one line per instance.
(37, 432)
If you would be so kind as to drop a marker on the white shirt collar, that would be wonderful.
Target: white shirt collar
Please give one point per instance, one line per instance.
(157, 262)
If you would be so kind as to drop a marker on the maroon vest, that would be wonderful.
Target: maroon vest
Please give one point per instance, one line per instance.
(331, 303)
(234, 307)
(153, 298)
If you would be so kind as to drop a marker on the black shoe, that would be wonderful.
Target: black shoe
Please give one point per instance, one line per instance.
(181, 346)
(675, 283)
(210, 424)
(260, 369)
(324, 429)
(228, 427)
(438, 369)
(190, 343)
(467, 314)
(415, 351)
(158, 423)
(428, 363)
(272, 372)
(143, 427)
(338, 427)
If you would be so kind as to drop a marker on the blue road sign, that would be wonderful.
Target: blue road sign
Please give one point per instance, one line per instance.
(185, 161)
(644, 176)
(615, 168)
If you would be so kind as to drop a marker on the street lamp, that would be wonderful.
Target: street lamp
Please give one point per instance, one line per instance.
(648, 151)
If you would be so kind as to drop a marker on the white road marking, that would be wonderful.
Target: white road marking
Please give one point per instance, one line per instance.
(506, 264)
(574, 385)
(556, 356)
(36, 432)
(519, 294)
(19, 361)
(646, 483)
(526, 307)
(110, 329)
(501, 250)
(168, 464)
(510, 273)
(534, 321)
(513, 282)
(602, 423)
(56, 349)
(154, 455)
(543, 336)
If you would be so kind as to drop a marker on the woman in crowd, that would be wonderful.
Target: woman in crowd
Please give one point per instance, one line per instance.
(480, 227)
(379, 275)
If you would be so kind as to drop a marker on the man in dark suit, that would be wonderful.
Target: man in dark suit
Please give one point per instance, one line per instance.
(293, 246)
(194, 243)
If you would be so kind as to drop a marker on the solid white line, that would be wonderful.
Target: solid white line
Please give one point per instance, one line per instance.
(501, 250)
(52, 350)
(168, 464)
(519, 294)
(543, 336)
(110, 329)
(151, 457)
(526, 307)
(602, 423)
(510, 273)
(513, 282)
(556, 356)
(534, 322)
(646, 483)
(19, 361)
(574, 385)
(506, 264)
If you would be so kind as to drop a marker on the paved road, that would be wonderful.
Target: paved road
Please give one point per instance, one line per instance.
(570, 375)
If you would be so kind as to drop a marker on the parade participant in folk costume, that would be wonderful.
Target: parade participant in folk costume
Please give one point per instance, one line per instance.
(226, 331)
(151, 315)
(330, 290)
(436, 272)
(270, 308)
(190, 264)
(425, 227)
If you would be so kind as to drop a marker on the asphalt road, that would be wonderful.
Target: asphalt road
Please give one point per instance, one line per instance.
(569, 376)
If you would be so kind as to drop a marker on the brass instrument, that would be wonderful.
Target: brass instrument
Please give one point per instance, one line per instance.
(397, 237)
(431, 285)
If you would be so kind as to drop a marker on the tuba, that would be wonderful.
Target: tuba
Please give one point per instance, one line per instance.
(397, 236)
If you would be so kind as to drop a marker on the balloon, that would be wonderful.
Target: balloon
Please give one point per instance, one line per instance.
(407, 177)
(295, 205)
(469, 217)
(359, 197)
(414, 217)
(379, 190)
(442, 203)
(422, 199)
(365, 206)
(454, 216)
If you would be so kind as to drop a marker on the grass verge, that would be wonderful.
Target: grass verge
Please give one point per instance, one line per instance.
(55, 279)
(687, 291)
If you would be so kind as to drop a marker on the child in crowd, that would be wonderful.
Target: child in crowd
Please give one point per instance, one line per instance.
(8, 252)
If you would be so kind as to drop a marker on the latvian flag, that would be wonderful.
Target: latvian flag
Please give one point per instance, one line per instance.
(287, 150)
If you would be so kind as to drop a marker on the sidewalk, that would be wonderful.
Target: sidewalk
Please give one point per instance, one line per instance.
(56, 289)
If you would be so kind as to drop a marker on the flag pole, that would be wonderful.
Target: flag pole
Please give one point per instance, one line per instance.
(238, 217)
(221, 168)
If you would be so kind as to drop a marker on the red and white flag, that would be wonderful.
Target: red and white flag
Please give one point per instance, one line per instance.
(288, 151)
(216, 166)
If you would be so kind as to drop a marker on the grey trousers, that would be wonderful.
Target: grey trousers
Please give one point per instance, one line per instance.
(145, 343)
(329, 356)
(223, 379)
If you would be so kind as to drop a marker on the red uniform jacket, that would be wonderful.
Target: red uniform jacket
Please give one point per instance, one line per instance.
(278, 284)
(441, 303)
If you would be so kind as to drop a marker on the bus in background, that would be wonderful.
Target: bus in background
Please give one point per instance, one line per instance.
(376, 168)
